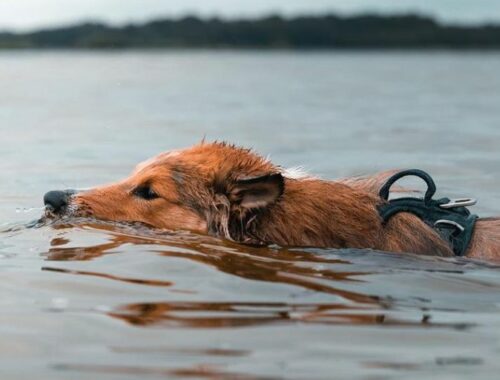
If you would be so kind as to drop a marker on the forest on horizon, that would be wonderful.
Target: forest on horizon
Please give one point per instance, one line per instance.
(272, 32)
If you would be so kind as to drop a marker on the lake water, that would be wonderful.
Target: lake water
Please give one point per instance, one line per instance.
(109, 302)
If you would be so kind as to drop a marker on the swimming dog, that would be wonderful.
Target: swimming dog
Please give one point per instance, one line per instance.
(233, 193)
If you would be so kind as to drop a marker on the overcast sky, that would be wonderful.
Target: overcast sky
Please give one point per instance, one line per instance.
(29, 14)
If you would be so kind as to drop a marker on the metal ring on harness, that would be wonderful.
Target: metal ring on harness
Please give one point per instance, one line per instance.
(431, 186)
(450, 218)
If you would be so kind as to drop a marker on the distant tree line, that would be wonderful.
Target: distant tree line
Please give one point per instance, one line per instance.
(306, 32)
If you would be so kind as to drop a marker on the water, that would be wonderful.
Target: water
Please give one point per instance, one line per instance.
(114, 302)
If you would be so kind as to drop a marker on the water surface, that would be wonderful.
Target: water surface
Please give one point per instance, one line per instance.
(114, 302)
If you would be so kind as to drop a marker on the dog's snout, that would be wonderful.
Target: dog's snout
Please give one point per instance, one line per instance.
(56, 200)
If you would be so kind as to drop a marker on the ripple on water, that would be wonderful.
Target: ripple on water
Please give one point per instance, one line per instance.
(145, 296)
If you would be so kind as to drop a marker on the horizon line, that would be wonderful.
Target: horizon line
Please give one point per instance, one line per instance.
(245, 17)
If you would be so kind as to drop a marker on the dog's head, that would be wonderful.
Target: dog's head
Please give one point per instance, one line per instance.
(212, 188)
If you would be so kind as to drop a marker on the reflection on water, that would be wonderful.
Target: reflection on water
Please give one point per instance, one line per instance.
(325, 290)
(110, 277)
(272, 265)
(278, 265)
(216, 315)
(197, 372)
(209, 304)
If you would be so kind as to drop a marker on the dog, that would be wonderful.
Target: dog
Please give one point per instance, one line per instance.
(233, 193)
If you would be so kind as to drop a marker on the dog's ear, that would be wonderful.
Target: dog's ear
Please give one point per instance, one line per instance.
(257, 192)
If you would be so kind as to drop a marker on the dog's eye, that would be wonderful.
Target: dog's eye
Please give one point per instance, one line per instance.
(145, 192)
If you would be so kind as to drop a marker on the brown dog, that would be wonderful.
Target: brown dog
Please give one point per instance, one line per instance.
(233, 193)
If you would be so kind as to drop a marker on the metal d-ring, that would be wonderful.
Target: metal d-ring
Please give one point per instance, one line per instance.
(431, 186)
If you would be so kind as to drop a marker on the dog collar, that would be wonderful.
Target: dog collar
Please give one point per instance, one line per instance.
(450, 218)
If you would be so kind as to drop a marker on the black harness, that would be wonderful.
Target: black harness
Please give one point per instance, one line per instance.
(450, 218)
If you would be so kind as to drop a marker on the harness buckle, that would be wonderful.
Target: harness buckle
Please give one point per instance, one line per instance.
(459, 202)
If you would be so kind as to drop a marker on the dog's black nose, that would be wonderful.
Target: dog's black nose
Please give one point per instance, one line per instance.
(56, 200)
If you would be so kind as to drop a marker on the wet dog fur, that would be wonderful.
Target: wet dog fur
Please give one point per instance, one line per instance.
(233, 193)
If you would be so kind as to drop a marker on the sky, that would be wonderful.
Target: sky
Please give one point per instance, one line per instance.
(31, 14)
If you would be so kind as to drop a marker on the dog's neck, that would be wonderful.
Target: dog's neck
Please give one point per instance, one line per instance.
(319, 213)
